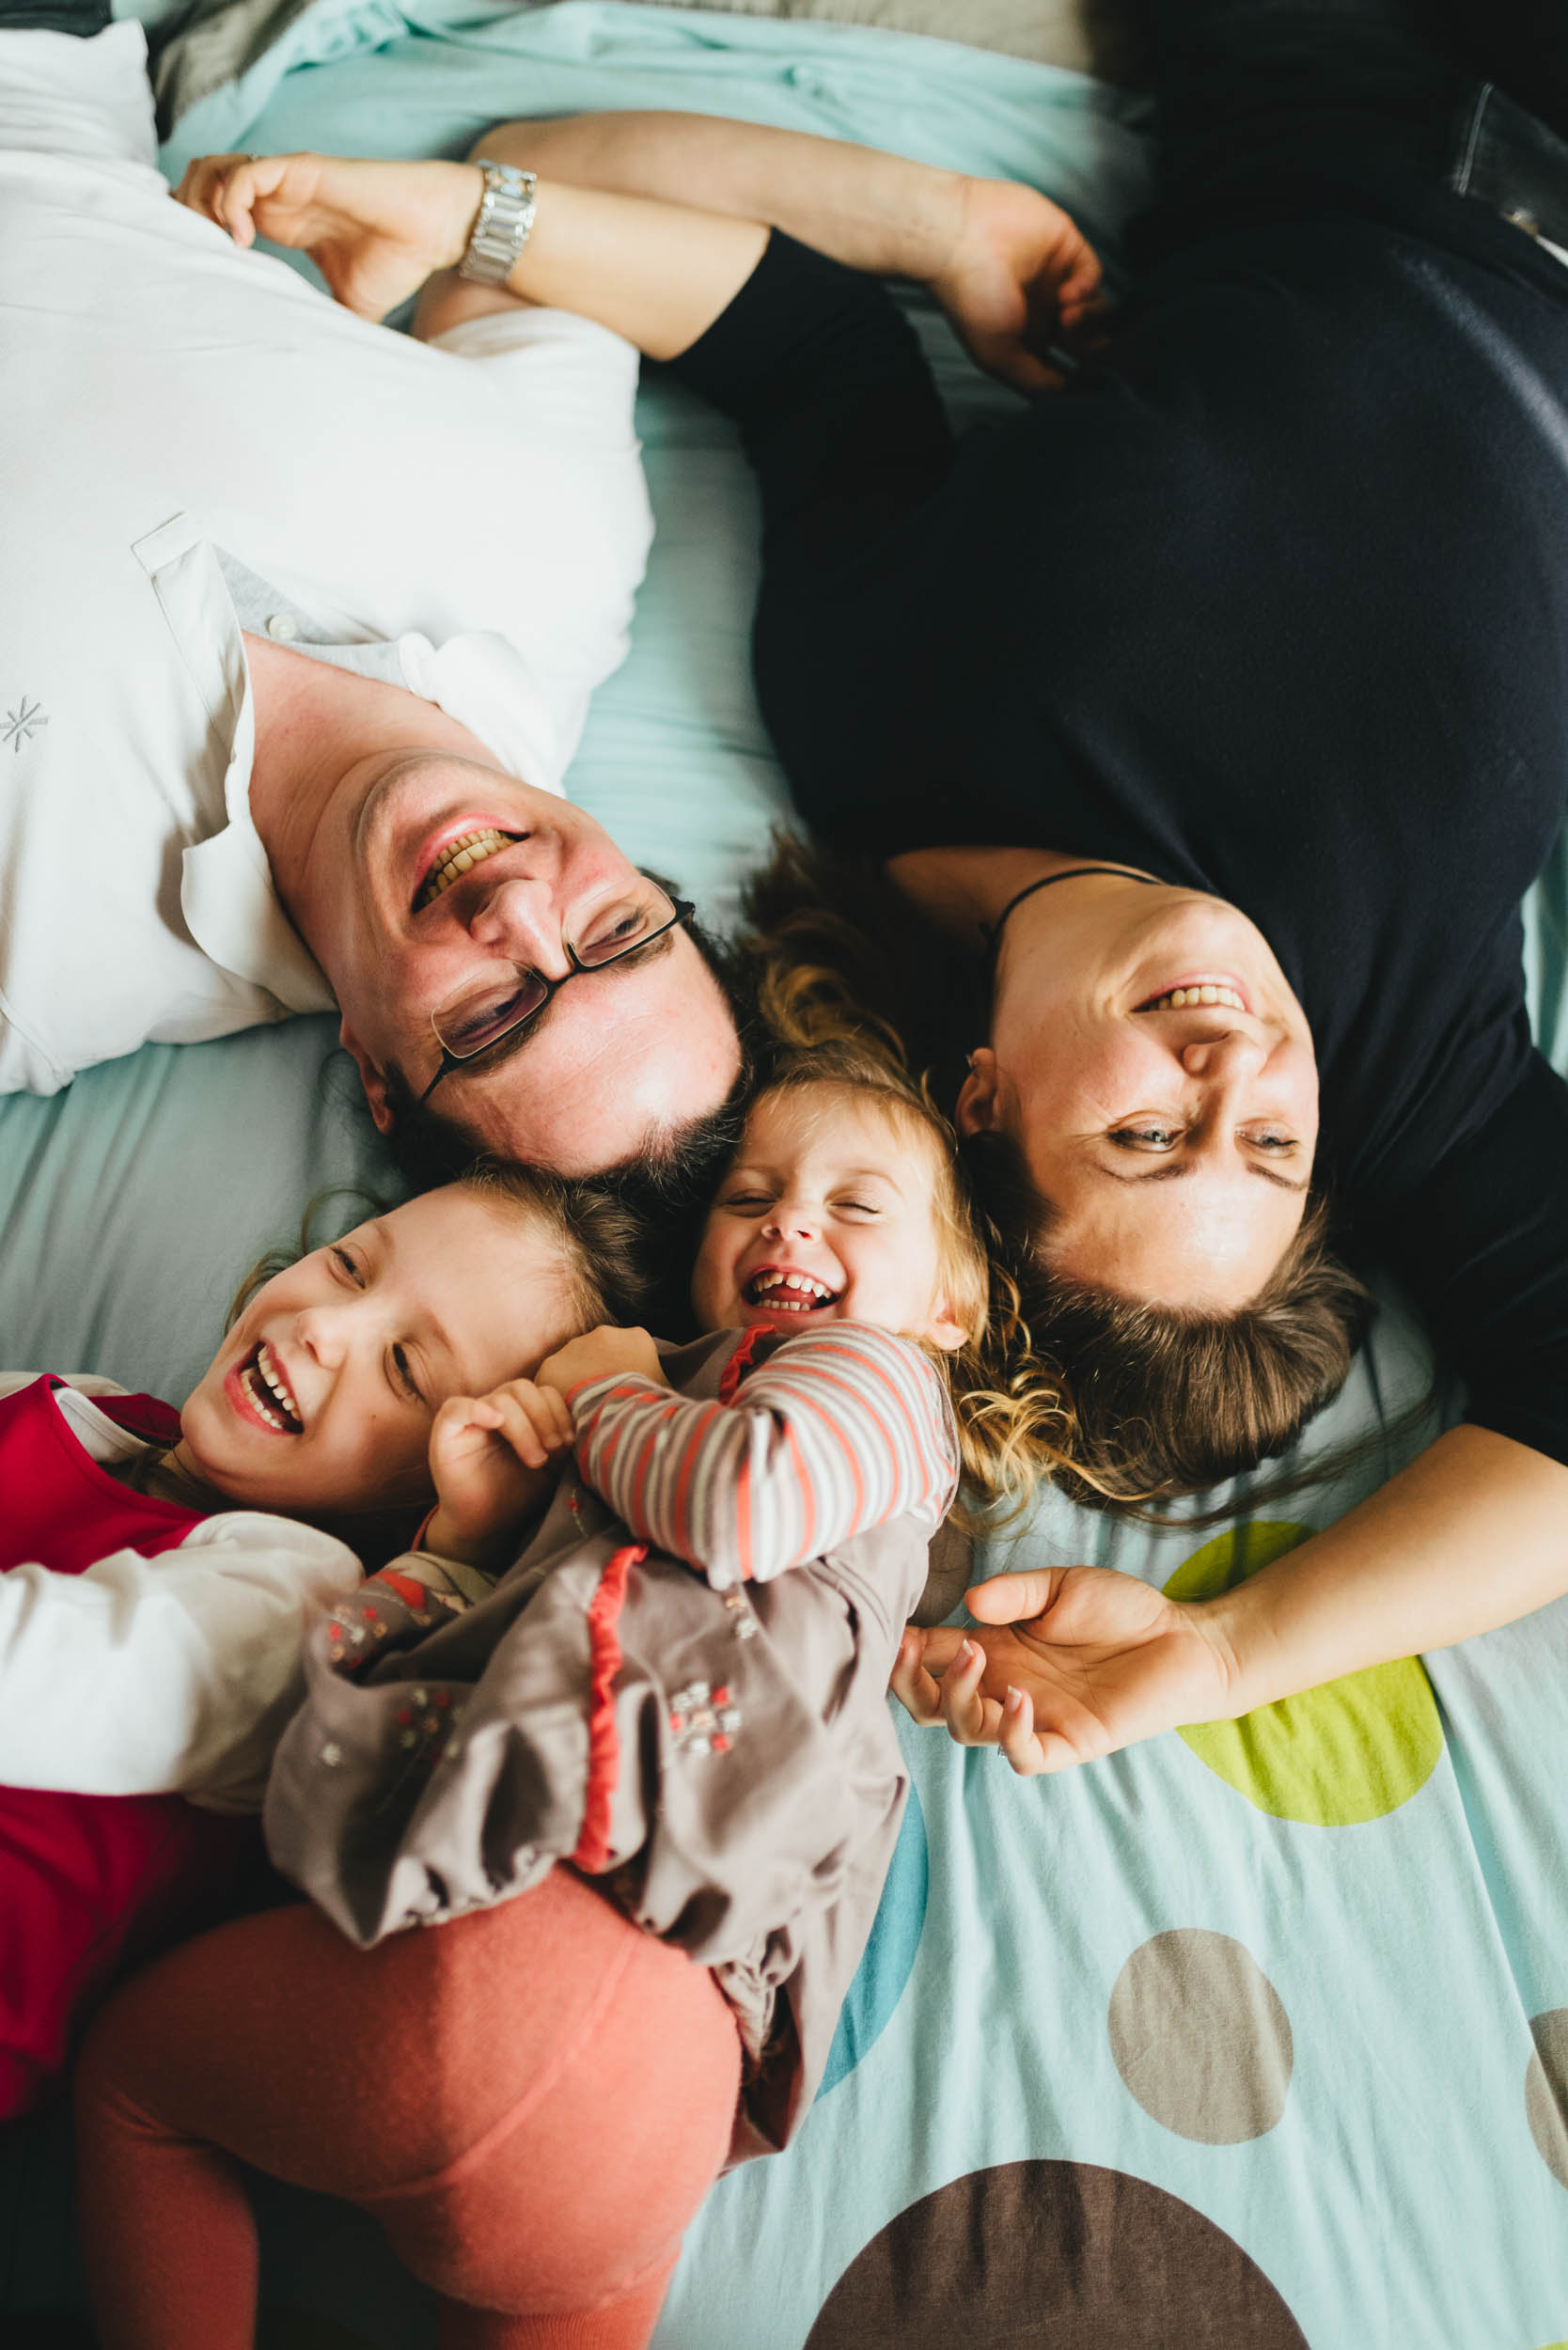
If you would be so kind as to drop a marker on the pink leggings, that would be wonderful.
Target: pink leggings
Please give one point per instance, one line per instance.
(532, 2101)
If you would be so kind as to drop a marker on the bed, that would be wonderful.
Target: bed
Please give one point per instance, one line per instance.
(1255, 2034)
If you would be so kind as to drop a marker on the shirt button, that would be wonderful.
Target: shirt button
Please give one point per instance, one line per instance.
(282, 626)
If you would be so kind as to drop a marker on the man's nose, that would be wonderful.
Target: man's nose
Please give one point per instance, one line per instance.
(517, 918)
(1225, 1057)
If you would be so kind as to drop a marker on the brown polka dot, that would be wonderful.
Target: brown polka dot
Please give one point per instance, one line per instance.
(1200, 2038)
(1052, 2256)
(1547, 2090)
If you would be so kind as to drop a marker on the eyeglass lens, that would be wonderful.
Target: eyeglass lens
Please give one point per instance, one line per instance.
(479, 1015)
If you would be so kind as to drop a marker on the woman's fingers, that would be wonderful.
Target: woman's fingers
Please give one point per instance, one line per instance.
(1013, 1598)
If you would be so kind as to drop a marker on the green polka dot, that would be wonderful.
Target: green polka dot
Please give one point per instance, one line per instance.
(1352, 1750)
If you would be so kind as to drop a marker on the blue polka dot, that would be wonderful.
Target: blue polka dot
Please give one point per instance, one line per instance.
(879, 1984)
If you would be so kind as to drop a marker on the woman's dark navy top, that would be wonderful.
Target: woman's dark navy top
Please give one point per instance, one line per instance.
(1274, 604)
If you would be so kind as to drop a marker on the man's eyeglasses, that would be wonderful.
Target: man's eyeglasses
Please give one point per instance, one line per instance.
(507, 995)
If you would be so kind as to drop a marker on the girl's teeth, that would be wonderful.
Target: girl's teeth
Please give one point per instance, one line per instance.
(262, 1402)
(271, 1393)
(807, 1293)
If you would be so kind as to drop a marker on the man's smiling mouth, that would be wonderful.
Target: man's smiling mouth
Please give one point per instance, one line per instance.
(458, 857)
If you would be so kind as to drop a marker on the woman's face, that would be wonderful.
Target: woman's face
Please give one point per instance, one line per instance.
(826, 1214)
(321, 1400)
(1151, 1062)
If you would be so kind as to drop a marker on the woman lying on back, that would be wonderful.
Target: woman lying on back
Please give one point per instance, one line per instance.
(1147, 680)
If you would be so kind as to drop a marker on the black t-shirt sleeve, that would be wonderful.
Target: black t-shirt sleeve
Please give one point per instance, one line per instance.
(1483, 1242)
(837, 408)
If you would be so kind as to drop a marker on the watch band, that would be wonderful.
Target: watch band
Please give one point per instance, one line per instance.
(501, 230)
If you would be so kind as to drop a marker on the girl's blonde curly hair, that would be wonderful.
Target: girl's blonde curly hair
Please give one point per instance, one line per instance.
(1013, 1426)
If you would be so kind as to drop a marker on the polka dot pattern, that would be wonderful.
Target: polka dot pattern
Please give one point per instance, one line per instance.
(1054, 2256)
(1200, 2037)
(1547, 2090)
(895, 1937)
(1353, 1751)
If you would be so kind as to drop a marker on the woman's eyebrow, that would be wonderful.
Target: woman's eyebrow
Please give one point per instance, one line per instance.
(1173, 1174)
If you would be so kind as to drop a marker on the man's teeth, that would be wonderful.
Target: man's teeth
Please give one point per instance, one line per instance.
(271, 1393)
(455, 860)
(1180, 997)
(790, 1293)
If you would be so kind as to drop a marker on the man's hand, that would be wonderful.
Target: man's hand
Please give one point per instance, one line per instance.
(491, 1464)
(1081, 1660)
(600, 1355)
(1020, 275)
(375, 230)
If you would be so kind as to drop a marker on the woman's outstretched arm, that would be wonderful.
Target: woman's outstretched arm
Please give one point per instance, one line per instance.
(1010, 268)
(1473, 1534)
(650, 224)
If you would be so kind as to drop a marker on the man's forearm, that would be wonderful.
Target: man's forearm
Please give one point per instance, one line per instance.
(871, 210)
(1473, 1534)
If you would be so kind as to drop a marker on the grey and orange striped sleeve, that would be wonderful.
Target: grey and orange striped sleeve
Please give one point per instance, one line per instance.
(840, 1429)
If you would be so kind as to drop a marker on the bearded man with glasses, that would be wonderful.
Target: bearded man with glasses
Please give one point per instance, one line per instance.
(299, 637)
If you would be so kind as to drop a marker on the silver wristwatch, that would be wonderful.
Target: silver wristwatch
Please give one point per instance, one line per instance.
(501, 230)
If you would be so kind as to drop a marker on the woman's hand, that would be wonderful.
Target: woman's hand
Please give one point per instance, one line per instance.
(375, 230)
(1020, 276)
(491, 1459)
(1070, 1663)
(602, 1355)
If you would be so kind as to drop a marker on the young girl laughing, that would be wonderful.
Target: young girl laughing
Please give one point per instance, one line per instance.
(161, 1567)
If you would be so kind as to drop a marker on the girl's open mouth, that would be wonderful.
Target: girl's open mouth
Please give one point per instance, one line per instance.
(263, 1394)
(785, 1291)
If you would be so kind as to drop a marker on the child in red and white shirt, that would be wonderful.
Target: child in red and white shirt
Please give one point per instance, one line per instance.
(158, 1569)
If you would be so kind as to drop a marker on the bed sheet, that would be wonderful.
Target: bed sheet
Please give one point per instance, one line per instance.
(1256, 2034)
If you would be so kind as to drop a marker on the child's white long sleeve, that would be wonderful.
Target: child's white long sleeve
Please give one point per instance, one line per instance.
(177, 1673)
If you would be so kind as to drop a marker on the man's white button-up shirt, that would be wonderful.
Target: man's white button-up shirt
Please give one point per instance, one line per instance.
(468, 519)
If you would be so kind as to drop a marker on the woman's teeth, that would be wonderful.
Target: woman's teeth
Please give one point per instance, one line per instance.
(271, 1393)
(1180, 997)
(790, 1293)
(456, 859)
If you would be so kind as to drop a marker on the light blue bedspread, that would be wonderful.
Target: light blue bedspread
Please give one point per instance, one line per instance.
(1252, 2035)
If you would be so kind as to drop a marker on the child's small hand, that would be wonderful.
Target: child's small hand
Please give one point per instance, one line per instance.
(489, 1464)
(600, 1355)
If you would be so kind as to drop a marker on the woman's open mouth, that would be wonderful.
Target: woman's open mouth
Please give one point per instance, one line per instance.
(452, 858)
(1190, 994)
(780, 1291)
(263, 1394)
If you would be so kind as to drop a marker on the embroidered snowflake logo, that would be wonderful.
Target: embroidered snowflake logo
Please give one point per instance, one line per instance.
(23, 724)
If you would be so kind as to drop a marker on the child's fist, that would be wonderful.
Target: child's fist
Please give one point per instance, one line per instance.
(489, 1464)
